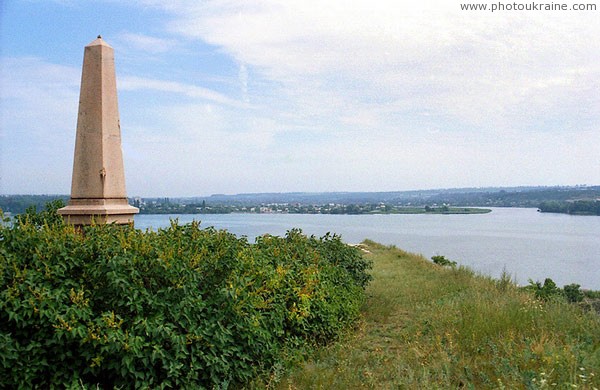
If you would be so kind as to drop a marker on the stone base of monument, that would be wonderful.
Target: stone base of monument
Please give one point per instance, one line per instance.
(98, 211)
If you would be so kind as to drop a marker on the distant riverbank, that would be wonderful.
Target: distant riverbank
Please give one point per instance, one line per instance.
(437, 210)
(578, 207)
(310, 209)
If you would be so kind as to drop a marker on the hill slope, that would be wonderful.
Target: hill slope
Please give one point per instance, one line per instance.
(430, 327)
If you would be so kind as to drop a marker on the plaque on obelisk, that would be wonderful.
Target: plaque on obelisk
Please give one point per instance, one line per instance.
(98, 185)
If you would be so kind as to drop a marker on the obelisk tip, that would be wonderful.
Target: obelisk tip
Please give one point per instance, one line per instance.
(98, 42)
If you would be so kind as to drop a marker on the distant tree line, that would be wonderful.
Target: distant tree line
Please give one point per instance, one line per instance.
(17, 204)
(178, 208)
(459, 197)
(547, 199)
(517, 198)
(578, 207)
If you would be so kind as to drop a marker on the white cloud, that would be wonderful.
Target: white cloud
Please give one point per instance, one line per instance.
(479, 68)
(243, 77)
(337, 95)
(134, 83)
(398, 87)
(148, 43)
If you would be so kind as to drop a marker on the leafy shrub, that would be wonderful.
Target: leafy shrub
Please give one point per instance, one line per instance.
(571, 292)
(545, 291)
(48, 216)
(592, 294)
(443, 261)
(179, 307)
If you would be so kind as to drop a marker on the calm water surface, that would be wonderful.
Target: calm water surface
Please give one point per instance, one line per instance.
(527, 244)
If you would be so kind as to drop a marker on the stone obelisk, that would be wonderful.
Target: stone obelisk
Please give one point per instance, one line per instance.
(98, 184)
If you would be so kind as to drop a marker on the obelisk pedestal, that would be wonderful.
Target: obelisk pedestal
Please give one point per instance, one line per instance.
(98, 185)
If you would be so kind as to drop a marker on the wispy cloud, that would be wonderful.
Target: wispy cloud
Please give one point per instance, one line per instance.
(134, 83)
(249, 95)
(482, 69)
(404, 83)
(148, 43)
(243, 77)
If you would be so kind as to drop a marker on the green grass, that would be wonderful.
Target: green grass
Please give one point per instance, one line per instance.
(426, 327)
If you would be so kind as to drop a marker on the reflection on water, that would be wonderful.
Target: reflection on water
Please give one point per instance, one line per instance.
(528, 244)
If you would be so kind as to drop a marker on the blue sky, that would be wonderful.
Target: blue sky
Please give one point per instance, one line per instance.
(277, 96)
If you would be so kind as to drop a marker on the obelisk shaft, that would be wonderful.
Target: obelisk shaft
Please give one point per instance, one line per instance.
(98, 165)
(98, 183)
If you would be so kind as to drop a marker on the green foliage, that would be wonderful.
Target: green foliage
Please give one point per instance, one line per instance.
(18, 204)
(182, 307)
(571, 292)
(47, 216)
(545, 291)
(578, 207)
(443, 261)
(592, 294)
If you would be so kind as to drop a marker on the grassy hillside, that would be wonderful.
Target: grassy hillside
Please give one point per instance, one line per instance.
(425, 326)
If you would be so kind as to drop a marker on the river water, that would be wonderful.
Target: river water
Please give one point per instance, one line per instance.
(525, 243)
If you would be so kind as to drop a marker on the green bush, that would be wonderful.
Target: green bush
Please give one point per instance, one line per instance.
(443, 261)
(113, 306)
(571, 292)
(545, 291)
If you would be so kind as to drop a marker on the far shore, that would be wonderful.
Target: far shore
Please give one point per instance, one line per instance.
(397, 210)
